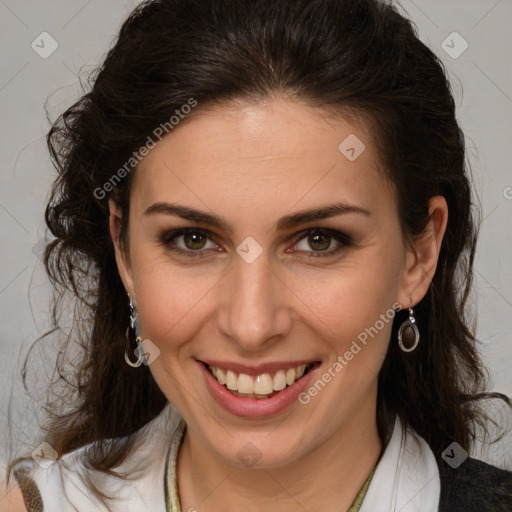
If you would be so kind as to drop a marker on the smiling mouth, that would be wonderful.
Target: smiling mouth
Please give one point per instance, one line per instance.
(265, 385)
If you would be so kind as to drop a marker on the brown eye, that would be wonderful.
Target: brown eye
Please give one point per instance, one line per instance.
(194, 241)
(315, 242)
(319, 242)
(189, 242)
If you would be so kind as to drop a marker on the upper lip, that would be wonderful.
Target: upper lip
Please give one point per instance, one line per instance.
(258, 369)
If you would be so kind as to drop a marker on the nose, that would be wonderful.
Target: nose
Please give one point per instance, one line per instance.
(254, 309)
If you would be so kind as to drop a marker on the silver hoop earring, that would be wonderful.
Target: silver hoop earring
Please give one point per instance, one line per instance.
(133, 339)
(408, 333)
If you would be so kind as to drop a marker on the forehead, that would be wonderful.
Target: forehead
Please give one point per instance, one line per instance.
(264, 157)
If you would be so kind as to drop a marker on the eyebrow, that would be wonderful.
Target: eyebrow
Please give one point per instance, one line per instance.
(286, 222)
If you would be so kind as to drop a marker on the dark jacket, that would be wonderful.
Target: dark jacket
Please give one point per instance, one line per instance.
(474, 486)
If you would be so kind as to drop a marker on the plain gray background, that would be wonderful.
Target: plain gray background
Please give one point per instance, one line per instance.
(84, 30)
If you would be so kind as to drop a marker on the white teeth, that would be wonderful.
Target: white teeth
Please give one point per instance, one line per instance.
(221, 376)
(263, 385)
(231, 380)
(290, 376)
(260, 385)
(245, 384)
(279, 380)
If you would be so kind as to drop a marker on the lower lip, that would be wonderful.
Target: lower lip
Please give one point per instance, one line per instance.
(256, 407)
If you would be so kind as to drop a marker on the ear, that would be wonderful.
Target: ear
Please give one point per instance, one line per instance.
(422, 254)
(122, 257)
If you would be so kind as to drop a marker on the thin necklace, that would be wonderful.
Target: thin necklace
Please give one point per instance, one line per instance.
(172, 502)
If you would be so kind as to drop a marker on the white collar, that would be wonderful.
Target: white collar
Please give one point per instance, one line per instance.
(407, 477)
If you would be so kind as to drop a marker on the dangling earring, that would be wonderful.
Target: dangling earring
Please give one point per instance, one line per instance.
(132, 338)
(408, 333)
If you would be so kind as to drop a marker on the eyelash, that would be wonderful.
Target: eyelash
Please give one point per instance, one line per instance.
(167, 238)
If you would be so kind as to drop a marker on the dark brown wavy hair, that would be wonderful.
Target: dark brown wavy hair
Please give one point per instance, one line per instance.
(357, 57)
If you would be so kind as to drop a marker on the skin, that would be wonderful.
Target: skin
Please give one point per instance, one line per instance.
(11, 499)
(251, 164)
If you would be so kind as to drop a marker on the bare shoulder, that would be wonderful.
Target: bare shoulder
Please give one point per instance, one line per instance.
(11, 499)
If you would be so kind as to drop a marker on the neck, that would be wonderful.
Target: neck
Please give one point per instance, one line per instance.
(327, 478)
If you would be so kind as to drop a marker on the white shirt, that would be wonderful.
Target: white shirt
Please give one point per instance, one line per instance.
(63, 490)
(405, 480)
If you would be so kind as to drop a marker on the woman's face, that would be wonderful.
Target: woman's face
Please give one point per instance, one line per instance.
(260, 283)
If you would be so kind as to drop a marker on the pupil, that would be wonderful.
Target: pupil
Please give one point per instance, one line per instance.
(314, 241)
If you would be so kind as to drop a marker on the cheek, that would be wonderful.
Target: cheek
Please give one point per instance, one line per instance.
(171, 313)
(171, 300)
(347, 301)
(352, 311)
